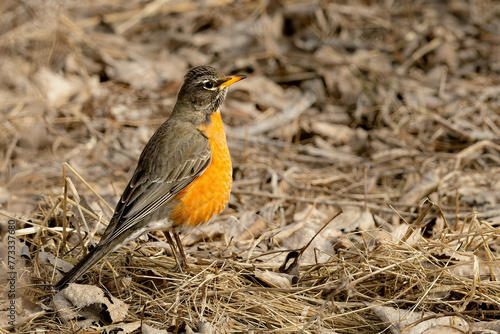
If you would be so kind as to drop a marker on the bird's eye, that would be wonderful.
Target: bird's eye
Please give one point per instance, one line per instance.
(208, 85)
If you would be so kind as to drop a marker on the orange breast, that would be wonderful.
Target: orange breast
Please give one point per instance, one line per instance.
(207, 195)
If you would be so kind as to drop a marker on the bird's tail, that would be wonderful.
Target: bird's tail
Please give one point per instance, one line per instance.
(83, 266)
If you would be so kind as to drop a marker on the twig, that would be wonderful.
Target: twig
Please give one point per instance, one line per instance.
(317, 200)
(88, 185)
(287, 115)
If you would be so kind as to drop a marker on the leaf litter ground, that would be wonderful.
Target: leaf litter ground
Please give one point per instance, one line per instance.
(389, 111)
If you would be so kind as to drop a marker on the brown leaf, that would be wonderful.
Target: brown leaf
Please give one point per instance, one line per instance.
(87, 304)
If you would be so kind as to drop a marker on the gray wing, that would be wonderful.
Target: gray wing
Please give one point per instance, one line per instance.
(157, 179)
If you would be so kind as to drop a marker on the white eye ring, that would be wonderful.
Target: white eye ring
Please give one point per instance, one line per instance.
(209, 85)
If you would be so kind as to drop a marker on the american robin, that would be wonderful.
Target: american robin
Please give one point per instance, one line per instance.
(184, 174)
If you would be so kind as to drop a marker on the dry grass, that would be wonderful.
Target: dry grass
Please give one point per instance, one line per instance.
(370, 108)
(414, 273)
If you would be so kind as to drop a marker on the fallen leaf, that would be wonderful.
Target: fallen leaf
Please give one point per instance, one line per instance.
(427, 184)
(88, 305)
(276, 280)
(402, 319)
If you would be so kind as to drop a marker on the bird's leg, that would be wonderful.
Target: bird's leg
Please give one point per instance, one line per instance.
(182, 260)
(174, 251)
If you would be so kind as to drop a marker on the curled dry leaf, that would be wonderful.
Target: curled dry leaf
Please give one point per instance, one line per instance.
(338, 133)
(51, 260)
(88, 305)
(408, 321)
(276, 280)
(317, 250)
(427, 184)
(59, 90)
(132, 328)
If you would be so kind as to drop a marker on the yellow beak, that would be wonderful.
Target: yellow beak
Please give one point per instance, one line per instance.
(231, 80)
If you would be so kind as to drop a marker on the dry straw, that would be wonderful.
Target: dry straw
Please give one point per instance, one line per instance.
(374, 106)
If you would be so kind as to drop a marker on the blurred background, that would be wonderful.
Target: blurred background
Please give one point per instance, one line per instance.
(369, 105)
(391, 91)
(355, 100)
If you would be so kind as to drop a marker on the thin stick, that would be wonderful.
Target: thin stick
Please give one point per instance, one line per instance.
(65, 208)
(88, 185)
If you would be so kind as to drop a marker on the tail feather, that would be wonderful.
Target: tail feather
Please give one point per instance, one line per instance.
(83, 266)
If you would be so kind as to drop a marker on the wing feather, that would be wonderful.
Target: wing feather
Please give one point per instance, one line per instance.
(157, 180)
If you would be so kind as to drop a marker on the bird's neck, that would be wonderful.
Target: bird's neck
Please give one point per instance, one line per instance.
(214, 128)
